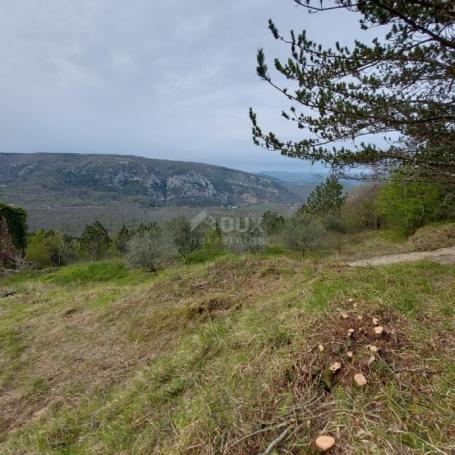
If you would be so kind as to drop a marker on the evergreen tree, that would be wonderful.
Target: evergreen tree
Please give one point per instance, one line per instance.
(8, 252)
(121, 239)
(151, 227)
(95, 240)
(400, 86)
(326, 199)
(16, 221)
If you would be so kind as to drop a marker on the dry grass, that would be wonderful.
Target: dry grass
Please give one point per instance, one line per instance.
(70, 343)
(367, 244)
(224, 358)
(433, 236)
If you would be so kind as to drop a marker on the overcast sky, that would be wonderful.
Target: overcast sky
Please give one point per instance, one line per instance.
(164, 79)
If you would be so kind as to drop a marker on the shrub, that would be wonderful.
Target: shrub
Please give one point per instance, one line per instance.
(179, 230)
(335, 222)
(305, 233)
(38, 250)
(151, 250)
(272, 223)
(252, 240)
(8, 252)
(50, 249)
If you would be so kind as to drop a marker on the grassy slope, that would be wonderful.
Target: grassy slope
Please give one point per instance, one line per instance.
(223, 357)
(367, 244)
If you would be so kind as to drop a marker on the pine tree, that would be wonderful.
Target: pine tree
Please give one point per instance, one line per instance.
(95, 240)
(401, 87)
(326, 199)
(16, 222)
(121, 239)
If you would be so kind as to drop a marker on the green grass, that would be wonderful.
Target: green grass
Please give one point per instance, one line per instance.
(95, 358)
(201, 256)
(79, 274)
(95, 272)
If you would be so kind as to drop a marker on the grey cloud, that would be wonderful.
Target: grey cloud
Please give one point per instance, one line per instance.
(169, 79)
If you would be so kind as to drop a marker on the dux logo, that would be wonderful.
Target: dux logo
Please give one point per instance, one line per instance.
(202, 217)
(227, 224)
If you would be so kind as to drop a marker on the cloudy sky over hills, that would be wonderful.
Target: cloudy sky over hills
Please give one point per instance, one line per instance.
(169, 79)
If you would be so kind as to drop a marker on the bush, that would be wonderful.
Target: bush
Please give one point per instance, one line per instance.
(50, 249)
(179, 230)
(305, 233)
(252, 240)
(213, 239)
(272, 223)
(335, 223)
(151, 250)
(8, 252)
(38, 251)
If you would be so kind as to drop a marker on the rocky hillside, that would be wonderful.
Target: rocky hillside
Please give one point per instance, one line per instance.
(73, 179)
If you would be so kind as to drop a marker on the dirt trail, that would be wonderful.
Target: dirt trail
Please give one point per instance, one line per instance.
(443, 256)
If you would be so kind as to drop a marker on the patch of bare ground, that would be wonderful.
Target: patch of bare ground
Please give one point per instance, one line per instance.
(353, 341)
(442, 255)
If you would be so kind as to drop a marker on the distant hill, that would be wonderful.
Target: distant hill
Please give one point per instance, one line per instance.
(63, 179)
(69, 190)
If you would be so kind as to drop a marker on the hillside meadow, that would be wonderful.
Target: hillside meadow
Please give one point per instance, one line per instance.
(151, 306)
(230, 356)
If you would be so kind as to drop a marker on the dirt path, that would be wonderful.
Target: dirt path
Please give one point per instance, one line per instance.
(443, 256)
